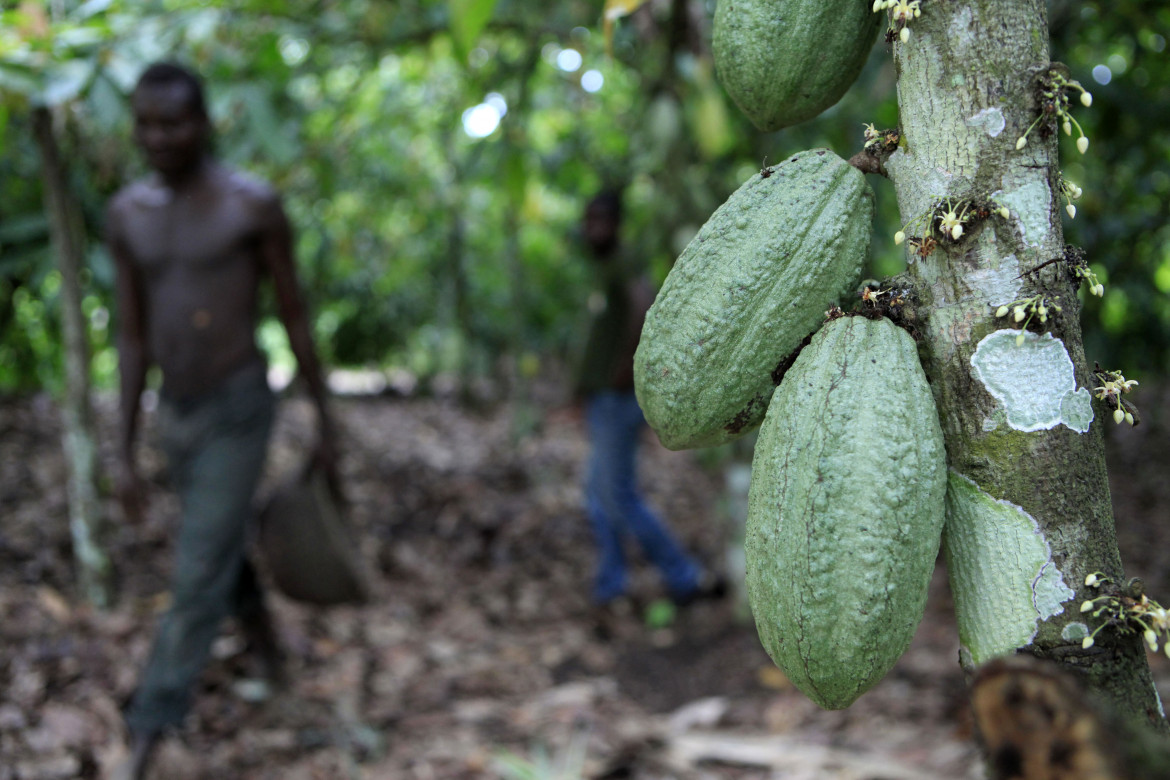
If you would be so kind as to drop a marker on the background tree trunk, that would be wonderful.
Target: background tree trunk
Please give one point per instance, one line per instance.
(1029, 512)
(86, 522)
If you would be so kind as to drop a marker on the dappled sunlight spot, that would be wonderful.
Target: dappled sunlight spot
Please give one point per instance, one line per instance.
(592, 80)
(481, 121)
(569, 60)
(293, 50)
(549, 52)
(496, 101)
(478, 57)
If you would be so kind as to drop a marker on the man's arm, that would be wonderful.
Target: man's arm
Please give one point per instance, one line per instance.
(277, 257)
(133, 361)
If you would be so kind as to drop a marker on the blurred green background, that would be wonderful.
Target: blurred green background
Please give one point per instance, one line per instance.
(435, 156)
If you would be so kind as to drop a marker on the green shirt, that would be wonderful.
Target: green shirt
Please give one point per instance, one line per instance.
(607, 362)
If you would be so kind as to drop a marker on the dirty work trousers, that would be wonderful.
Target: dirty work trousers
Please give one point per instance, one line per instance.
(614, 503)
(215, 446)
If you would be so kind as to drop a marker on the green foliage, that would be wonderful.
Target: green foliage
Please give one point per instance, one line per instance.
(424, 247)
(468, 18)
(1122, 218)
(567, 764)
(660, 613)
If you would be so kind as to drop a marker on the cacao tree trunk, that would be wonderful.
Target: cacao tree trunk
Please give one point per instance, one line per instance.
(86, 522)
(1029, 512)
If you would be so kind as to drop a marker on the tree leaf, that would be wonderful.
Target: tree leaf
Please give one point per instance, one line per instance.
(66, 81)
(467, 20)
(18, 80)
(79, 37)
(92, 8)
(614, 10)
(33, 226)
(32, 20)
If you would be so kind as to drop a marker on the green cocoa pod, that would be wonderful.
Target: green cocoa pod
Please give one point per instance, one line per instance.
(752, 284)
(845, 510)
(785, 61)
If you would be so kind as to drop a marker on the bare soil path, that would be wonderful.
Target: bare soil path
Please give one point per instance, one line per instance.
(479, 649)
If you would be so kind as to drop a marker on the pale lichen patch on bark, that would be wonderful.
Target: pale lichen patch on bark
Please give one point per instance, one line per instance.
(1031, 205)
(933, 183)
(998, 279)
(990, 120)
(954, 324)
(994, 546)
(961, 34)
(1049, 592)
(1033, 380)
(924, 72)
(1076, 410)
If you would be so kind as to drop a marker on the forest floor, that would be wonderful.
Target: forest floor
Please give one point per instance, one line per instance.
(479, 655)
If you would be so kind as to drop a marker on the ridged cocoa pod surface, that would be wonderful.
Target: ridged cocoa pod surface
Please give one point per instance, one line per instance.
(785, 61)
(746, 291)
(845, 510)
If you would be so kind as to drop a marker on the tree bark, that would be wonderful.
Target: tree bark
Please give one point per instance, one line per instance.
(86, 522)
(1029, 512)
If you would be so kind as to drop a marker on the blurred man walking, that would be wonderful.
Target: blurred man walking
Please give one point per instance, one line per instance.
(192, 243)
(606, 384)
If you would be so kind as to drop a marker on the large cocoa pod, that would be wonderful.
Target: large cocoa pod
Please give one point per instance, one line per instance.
(845, 509)
(785, 61)
(746, 291)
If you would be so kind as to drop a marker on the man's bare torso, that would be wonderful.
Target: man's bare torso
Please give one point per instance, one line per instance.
(195, 252)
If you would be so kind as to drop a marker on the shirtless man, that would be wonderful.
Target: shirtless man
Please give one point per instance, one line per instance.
(191, 244)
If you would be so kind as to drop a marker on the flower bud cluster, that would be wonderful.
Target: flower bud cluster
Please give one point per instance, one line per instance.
(871, 135)
(1054, 103)
(950, 218)
(1130, 612)
(903, 11)
(1095, 286)
(880, 140)
(1024, 310)
(871, 295)
(887, 302)
(1112, 386)
(1070, 192)
(952, 223)
(1074, 258)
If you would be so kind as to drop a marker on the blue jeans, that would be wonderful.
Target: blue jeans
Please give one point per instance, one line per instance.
(615, 506)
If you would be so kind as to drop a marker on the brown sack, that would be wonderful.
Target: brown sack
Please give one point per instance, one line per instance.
(305, 547)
